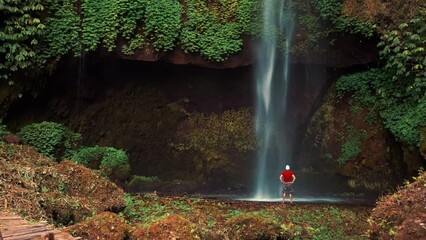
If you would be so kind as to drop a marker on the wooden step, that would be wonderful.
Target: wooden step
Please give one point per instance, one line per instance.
(13, 227)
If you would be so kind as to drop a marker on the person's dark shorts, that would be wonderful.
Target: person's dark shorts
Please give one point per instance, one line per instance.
(288, 188)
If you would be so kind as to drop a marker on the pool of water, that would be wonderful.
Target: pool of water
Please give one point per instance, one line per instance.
(299, 199)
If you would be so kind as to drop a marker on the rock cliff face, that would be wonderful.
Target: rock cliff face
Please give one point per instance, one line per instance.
(137, 102)
(336, 52)
(345, 139)
(137, 106)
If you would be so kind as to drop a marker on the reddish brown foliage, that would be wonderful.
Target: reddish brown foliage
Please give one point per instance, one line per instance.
(38, 188)
(12, 138)
(388, 13)
(106, 225)
(172, 227)
(401, 215)
(252, 227)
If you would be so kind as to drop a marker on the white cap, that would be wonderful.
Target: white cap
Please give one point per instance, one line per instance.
(287, 167)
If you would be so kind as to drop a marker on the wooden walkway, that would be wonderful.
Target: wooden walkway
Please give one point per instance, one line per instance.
(13, 227)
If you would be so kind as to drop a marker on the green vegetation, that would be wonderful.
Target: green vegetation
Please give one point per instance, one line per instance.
(352, 146)
(149, 209)
(396, 91)
(67, 193)
(142, 183)
(62, 34)
(36, 187)
(107, 159)
(20, 27)
(214, 141)
(255, 222)
(52, 139)
(100, 24)
(162, 23)
(161, 28)
(403, 113)
(331, 11)
(405, 55)
(212, 29)
(141, 180)
(3, 131)
(318, 229)
(324, 19)
(206, 26)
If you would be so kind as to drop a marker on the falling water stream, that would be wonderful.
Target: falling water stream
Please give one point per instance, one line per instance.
(272, 81)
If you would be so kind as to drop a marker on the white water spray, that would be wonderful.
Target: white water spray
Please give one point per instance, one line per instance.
(272, 79)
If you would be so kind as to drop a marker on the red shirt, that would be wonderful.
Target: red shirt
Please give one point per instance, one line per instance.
(287, 174)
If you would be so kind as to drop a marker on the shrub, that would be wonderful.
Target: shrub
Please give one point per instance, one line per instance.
(3, 130)
(138, 183)
(112, 162)
(399, 215)
(144, 179)
(51, 139)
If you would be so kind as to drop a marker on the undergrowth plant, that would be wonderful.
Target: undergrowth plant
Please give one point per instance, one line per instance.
(107, 159)
(138, 209)
(51, 139)
(3, 130)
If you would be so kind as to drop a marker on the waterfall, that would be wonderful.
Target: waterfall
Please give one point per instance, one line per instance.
(272, 81)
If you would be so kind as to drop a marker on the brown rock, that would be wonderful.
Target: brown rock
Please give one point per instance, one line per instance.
(244, 57)
(12, 138)
(342, 51)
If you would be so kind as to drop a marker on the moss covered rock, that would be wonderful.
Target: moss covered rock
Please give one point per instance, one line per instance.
(350, 140)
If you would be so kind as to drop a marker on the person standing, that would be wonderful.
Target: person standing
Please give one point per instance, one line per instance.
(287, 178)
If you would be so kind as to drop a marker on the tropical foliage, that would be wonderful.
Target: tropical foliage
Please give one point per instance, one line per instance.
(51, 139)
(398, 89)
(107, 159)
(212, 29)
(20, 28)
